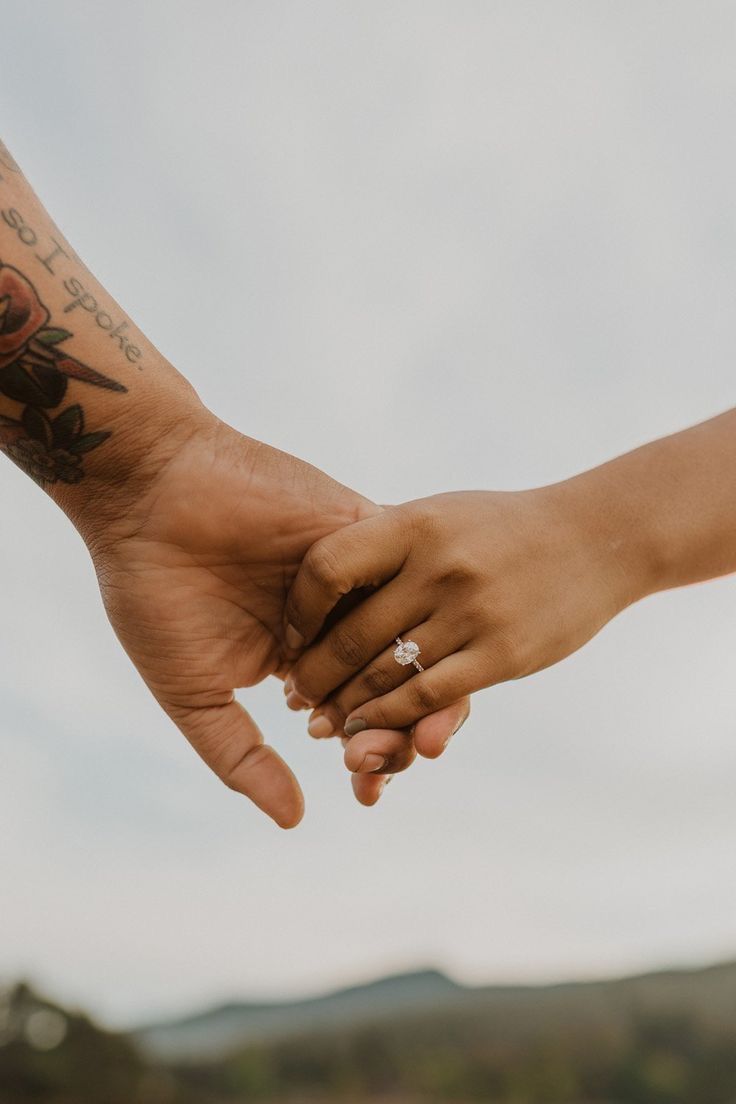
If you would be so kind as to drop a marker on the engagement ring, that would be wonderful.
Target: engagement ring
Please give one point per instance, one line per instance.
(407, 653)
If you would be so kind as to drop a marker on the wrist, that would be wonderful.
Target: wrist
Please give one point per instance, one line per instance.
(618, 534)
(145, 435)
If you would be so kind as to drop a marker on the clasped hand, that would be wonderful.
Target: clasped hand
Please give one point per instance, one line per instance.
(195, 571)
(230, 565)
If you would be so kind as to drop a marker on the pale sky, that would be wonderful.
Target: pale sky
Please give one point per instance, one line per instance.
(498, 237)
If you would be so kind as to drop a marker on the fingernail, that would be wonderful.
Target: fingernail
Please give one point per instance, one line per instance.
(288, 685)
(293, 638)
(352, 728)
(320, 727)
(371, 764)
(294, 701)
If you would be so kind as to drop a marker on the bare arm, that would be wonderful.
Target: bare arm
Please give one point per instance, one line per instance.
(493, 586)
(667, 510)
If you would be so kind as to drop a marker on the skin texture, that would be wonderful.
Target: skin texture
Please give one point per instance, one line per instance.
(194, 576)
(495, 586)
(196, 532)
(480, 580)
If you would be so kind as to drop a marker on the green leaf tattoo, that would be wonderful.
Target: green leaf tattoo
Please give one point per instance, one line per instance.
(52, 337)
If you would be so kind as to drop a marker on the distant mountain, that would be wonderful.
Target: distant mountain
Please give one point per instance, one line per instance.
(221, 1029)
(666, 1038)
(659, 1038)
(415, 1001)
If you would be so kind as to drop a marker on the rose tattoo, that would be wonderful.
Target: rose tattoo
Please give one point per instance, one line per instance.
(34, 372)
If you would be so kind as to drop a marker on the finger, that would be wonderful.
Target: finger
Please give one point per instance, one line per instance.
(230, 742)
(364, 554)
(369, 787)
(437, 640)
(380, 752)
(424, 693)
(351, 645)
(432, 734)
(341, 608)
(394, 748)
(393, 752)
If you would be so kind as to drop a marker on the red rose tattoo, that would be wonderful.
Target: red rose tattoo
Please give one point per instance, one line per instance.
(34, 373)
(22, 314)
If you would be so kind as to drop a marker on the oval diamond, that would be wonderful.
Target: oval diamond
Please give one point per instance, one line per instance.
(406, 652)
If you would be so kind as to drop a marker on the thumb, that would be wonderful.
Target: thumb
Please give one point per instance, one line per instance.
(231, 744)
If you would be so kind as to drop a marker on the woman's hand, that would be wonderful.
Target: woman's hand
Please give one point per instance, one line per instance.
(491, 586)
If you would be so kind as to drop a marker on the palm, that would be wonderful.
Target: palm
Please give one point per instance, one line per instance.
(195, 582)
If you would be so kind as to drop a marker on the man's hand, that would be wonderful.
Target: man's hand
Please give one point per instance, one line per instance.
(194, 578)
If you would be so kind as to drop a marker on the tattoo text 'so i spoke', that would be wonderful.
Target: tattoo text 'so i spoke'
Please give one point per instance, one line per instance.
(50, 253)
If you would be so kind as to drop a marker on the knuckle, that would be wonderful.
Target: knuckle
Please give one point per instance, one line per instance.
(202, 729)
(322, 565)
(228, 778)
(509, 655)
(347, 646)
(456, 575)
(377, 681)
(294, 612)
(378, 717)
(334, 713)
(232, 776)
(427, 520)
(424, 696)
(304, 681)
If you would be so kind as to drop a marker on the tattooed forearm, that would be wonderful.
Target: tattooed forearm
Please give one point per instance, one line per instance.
(58, 261)
(34, 373)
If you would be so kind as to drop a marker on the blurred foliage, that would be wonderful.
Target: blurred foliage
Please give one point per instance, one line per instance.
(52, 1056)
(661, 1060)
(622, 1055)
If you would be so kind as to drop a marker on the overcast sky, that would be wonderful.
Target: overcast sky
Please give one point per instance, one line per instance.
(496, 237)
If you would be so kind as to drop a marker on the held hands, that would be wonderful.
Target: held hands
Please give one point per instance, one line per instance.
(232, 555)
(491, 586)
(200, 535)
(194, 572)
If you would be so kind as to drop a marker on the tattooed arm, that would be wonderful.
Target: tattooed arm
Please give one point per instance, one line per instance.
(196, 532)
(74, 372)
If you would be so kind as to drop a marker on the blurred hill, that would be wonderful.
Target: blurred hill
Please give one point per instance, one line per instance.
(221, 1029)
(708, 993)
(659, 1038)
